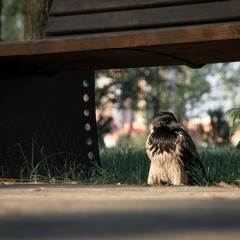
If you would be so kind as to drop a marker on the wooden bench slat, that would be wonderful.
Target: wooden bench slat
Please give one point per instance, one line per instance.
(71, 7)
(128, 39)
(123, 58)
(145, 18)
(221, 43)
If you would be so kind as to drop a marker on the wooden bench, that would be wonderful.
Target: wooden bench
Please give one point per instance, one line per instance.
(57, 73)
(115, 34)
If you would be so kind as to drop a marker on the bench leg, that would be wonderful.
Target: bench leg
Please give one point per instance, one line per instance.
(45, 119)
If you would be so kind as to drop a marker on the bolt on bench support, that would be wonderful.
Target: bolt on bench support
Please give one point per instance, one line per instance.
(46, 115)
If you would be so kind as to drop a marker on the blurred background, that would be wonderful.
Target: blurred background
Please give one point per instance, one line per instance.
(127, 99)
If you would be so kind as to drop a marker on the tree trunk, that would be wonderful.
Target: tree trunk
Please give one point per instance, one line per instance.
(130, 128)
(36, 16)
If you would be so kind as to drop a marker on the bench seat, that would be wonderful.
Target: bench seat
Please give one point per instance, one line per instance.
(79, 41)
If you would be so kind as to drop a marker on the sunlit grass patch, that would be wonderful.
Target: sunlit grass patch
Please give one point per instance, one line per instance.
(125, 165)
(222, 164)
(130, 165)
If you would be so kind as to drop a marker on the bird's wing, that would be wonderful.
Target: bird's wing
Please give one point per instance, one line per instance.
(189, 156)
(186, 142)
(147, 149)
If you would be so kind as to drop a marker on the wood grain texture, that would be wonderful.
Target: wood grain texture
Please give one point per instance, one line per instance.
(71, 7)
(200, 44)
(220, 11)
(111, 59)
(127, 39)
(174, 33)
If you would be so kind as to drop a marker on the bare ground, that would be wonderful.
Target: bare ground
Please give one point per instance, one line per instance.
(74, 211)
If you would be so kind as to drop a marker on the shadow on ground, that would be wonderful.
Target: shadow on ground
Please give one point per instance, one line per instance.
(117, 215)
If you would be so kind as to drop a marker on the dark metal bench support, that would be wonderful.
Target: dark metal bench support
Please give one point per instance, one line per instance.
(43, 115)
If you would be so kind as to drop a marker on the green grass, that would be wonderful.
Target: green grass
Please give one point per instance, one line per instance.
(39, 167)
(127, 165)
(130, 165)
(222, 164)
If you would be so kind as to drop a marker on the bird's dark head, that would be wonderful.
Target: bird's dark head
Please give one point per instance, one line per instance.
(163, 119)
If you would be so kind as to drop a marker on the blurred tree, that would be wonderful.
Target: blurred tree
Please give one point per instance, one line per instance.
(36, 16)
(123, 91)
(12, 20)
(103, 126)
(191, 85)
(220, 129)
(154, 89)
(227, 75)
(172, 88)
(24, 19)
(1, 5)
(150, 90)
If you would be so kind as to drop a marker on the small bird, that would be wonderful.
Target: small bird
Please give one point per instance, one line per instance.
(171, 152)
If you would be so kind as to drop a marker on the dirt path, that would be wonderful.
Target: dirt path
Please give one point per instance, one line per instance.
(45, 211)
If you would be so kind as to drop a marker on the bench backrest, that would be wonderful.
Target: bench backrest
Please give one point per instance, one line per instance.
(69, 17)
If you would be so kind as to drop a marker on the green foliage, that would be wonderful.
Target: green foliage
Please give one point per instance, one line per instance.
(234, 114)
(12, 20)
(153, 89)
(123, 82)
